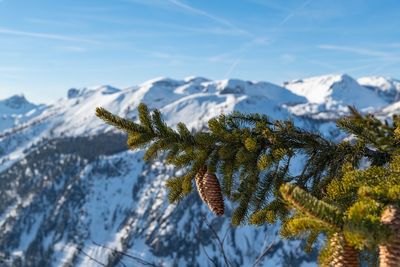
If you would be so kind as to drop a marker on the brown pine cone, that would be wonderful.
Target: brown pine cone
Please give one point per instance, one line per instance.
(199, 178)
(343, 254)
(213, 193)
(389, 252)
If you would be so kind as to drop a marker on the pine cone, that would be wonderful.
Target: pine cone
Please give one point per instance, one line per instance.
(199, 178)
(213, 193)
(389, 252)
(343, 255)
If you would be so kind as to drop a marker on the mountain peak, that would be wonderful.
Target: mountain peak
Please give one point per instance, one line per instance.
(339, 89)
(103, 89)
(16, 110)
(108, 89)
(232, 86)
(73, 93)
(195, 79)
(383, 83)
(16, 102)
(387, 88)
(317, 89)
(162, 81)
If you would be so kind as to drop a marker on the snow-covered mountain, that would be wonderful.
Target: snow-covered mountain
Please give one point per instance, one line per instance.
(328, 96)
(387, 88)
(16, 110)
(71, 194)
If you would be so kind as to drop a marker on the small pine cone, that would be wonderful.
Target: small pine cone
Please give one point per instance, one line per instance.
(199, 178)
(213, 193)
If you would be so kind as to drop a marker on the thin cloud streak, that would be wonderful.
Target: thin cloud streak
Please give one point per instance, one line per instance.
(270, 4)
(232, 68)
(261, 41)
(294, 13)
(74, 49)
(48, 36)
(70, 23)
(190, 9)
(322, 64)
(355, 50)
(207, 15)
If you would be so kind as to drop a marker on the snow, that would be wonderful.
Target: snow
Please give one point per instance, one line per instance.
(16, 110)
(380, 83)
(386, 87)
(29, 234)
(63, 253)
(332, 90)
(194, 100)
(195, 79)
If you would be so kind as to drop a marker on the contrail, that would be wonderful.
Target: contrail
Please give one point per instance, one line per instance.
(45, 35)
(232, 68)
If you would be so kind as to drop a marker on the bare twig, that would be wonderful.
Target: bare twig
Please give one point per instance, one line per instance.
(221, 244)
(123, 264)
(90, 257)
(202, 246)
(141, 261)
(263, 253)
(226, 233)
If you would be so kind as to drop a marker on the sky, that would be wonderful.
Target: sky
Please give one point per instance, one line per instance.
(49, 46)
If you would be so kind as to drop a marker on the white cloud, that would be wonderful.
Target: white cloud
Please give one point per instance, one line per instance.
(50, 36)
(206, 14)
(76, 49)
(220, 57)
(355, 50)
(190, 9)
(293, 13)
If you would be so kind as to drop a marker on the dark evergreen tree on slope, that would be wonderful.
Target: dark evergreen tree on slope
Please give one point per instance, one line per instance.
(246, 158)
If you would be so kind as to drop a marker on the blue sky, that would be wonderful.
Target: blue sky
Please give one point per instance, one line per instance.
(48, 46)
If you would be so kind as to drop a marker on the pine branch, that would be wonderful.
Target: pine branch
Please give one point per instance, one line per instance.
(263, 254)
(298, 225)
(310, 205)
(118, 122)
(251, 154)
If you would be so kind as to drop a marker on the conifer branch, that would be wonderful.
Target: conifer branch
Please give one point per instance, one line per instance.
(251, 154)
(118, 122)
(311, 206)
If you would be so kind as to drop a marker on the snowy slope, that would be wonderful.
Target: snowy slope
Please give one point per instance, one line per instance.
(193, 101)
(16, 110)
(70, 189)
(387, 88)
(335, 88)
(74, 115)
(50, 167)
(328, 96)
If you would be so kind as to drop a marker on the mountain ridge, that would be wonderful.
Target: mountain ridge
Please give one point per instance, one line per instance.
(70, 187)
